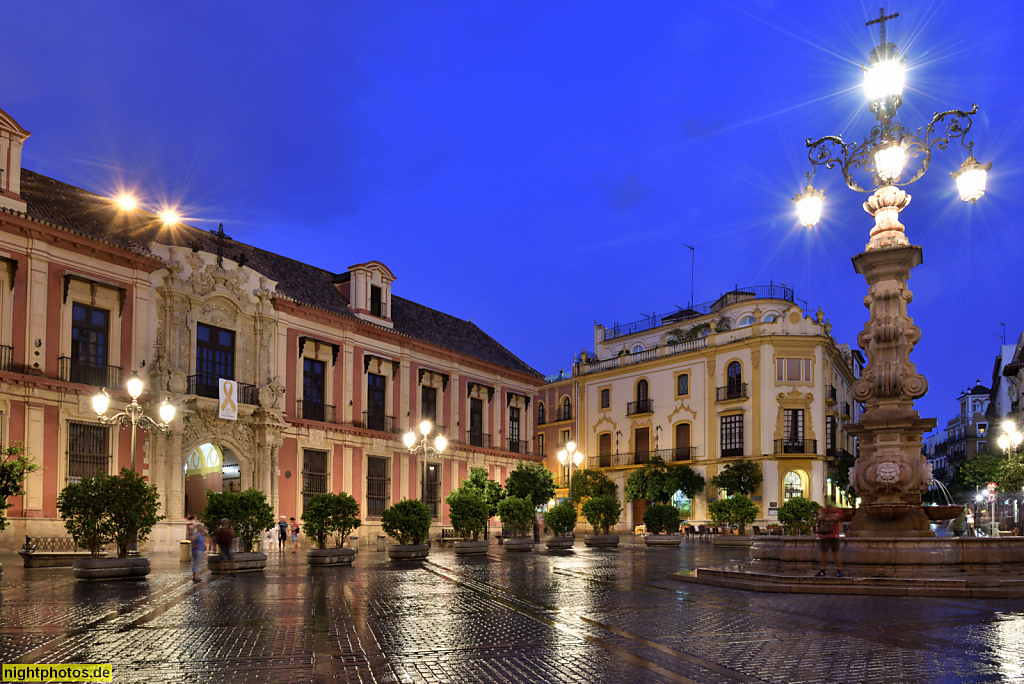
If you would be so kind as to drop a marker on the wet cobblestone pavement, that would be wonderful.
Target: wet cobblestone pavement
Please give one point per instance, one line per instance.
(586, 615)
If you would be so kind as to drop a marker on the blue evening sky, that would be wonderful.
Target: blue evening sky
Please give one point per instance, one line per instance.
(538, 166)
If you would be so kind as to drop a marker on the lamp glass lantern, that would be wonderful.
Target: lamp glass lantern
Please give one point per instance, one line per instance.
(889, 161)
(808, 205)
(884, 80)
(101, 402)
(971, 178)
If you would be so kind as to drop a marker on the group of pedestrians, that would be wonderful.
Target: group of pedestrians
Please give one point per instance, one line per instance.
(286, 527)
(224, 537)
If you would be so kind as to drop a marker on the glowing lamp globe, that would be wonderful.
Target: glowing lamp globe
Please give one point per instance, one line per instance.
(1004, 441)
(134, 385)
(101, 402)
(889, 161)
(440, 443)
(577, 458)
(808, 205)
(570, 447)
(409, 438)
(1008, 426)
(971, 178)
(425, 427)
(884, 80)
(562, 455)
(166, 411)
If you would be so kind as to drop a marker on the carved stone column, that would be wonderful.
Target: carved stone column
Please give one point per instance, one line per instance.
(890, 473)
(174, 481)
(274, 477)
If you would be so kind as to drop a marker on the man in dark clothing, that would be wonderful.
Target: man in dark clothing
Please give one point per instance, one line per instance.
(282, 532)
(830, 523)
(225, 537)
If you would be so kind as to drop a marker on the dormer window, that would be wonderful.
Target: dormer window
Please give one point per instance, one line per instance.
(376, 306)
(368, 289)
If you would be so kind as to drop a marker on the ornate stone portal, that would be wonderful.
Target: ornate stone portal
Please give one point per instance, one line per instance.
(890, 473)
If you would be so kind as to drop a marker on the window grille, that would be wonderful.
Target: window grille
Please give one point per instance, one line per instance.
(431, 486)
(314, 473)
(88, 450)
(732, 435)
(378, 485)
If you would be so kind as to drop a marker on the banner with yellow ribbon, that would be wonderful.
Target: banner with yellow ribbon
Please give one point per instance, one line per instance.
(228, 399)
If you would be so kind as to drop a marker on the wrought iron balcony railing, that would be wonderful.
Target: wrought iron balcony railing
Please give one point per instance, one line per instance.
(731, 452)
(831, 393)
(478, 438)
(98, 375)
(797, 446)
(846, 409)
(378, 422)
(734, 391)
(518, 446)
(208, 386)
(558, 414)
(641, 356)
(312, 410)
(678, 454)
(634, 408)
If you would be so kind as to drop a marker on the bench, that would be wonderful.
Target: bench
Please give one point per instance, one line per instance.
(52, 552)
(447, 536)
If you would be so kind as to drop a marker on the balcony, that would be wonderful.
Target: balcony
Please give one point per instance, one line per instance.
(378, 422)
(635, 408)
(831, 394)
(790, 446)
(732, 452)
(6, 358)
(207, 386)
(98, 375)
(478, 438)
(678, 454)
(846, 410)
(518, 446)
(312, 410)
(734, 391)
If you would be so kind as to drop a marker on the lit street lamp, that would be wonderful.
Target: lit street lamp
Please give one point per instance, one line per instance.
(571, 456)
(889, 481)
(132, 415)
(424, 448)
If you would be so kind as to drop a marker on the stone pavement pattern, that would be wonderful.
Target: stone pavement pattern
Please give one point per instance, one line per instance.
(586, 615)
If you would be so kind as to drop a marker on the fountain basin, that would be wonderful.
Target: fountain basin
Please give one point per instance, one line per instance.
(887, 511)
(942, 512)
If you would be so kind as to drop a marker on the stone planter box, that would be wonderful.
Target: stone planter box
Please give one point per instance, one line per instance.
(663, 540)
(111, 568)
(732, 540)
(244, 562)
(342, 556)
(560, 542)
(601, 540)
(519, 544)
(408, 551)
(54, 559)
(470, 548)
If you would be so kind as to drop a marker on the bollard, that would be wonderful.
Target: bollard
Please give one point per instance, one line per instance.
(184, 551)
(381, 539)
(353, 542)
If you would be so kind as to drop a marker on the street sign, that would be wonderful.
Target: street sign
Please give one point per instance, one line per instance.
(992, 486)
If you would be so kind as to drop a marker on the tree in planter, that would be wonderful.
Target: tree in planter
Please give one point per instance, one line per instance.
(657, 482)
(561, 519)
(736, 510)
(798, 515)
(602, 512)
(83, 507)
(408, 521)
(468, 511)
(248, 511)
(740, 477)
(491, 491)
(327, 515)
(588, 483)
(532, 482)
(517, 514)
(132, 505)
(15, 465)
(661, 518)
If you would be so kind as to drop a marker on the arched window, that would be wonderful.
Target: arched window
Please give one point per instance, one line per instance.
(540, 413)
(566, 409)
(735, 376)
(769, 318)
(641, 391)
(793, 484)
(637, 348)
(746, 320)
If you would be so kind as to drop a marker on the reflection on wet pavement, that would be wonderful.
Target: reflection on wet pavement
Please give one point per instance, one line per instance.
(586, 615)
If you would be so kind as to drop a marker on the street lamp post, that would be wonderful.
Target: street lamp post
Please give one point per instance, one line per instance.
(1008, 441)
(573, 457)
(425, 448)
(890, 474)
(132, 416)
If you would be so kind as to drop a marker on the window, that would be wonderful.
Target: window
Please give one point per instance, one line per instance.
(793, 485)
(566, 437)
(375, 401)
(637, 348)
(606, 398)
(830, 435)
(769, 318)
(641, 445)
(540, 445)
(566, 409)
(215, 358)
(982, 429)
(88, 450)
(376, 302)
(540, 414)
(428, 399)
(682, 451)
(476, 422)
(683, 384)
(793, 431)
(641, 391)
(604, 450)
(378, 485)
(793, 370)
(732, 435)
(313, 389)
(514, 445)
(431, 485)
(734, 381)
(89, 339)
(314, 473)
(747, 320)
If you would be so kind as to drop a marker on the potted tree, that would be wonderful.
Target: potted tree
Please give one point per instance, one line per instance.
(330, 516)
(102, 509)
(250, 516)
(517, 515)
(799, 515)
(408, 521)
(561, 520)
(534, 483)
(603, 513)
(469, 513)
(491, 491)
(656, 483)
(15, 465)
(662, 522)
(739, 510)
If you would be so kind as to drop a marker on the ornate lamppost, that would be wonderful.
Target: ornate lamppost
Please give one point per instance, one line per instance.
(425, 448)
(132, 416)
(573, 457)
(890, 473)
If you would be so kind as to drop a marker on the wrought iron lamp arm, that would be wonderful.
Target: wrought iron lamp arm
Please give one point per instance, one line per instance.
(425, 449)
(133, 416)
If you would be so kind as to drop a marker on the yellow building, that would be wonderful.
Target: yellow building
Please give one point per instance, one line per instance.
(748, 375)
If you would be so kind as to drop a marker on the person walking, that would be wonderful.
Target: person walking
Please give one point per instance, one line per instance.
(295, 535)
(830, 523)
(225, 537)
(970, 521)
(282, 533)
(198, 548)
